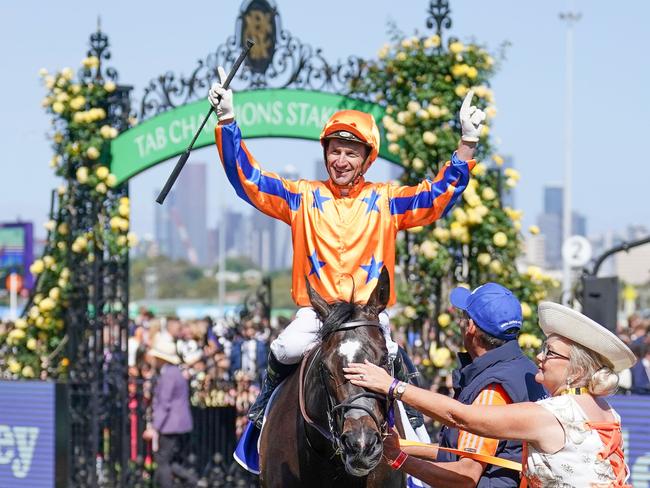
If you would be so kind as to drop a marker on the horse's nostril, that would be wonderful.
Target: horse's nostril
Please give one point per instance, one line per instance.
(348, 442)
(374, 442)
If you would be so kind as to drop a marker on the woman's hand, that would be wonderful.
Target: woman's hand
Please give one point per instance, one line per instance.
(369, 376)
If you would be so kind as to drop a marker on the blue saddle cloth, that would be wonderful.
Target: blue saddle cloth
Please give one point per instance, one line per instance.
(247, 453)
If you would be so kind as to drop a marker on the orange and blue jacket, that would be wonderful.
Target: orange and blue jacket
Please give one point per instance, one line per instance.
(340, 243)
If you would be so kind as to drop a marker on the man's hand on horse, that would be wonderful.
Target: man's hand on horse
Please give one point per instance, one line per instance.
(369, 376)
(221, 99)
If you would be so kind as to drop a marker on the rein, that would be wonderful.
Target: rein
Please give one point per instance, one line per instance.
(332, 408)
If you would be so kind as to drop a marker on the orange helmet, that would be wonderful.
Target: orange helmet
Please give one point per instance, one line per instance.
(352, 125)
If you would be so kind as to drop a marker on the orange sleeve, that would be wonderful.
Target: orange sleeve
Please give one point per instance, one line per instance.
(493, 394)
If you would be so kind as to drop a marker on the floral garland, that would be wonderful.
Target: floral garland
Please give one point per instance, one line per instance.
(421, 84)
(34, 346)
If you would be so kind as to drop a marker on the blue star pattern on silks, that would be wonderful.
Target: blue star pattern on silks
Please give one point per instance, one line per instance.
(316, 265)
(373, 269)
(372, 201)
(319, 200)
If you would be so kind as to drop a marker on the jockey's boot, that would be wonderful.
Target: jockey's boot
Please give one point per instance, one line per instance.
(276, 372)
(404, 373)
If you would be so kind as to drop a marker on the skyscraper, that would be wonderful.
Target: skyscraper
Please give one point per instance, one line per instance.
(180, 224)
(550, 224)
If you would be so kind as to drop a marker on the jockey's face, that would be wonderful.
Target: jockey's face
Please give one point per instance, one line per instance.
(344, 161)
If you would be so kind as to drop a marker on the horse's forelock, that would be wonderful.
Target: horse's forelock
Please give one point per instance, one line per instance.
(340, 312)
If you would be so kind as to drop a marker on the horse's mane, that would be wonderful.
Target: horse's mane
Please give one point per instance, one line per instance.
(340, 312)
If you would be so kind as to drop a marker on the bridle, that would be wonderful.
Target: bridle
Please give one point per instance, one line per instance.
(336, 411)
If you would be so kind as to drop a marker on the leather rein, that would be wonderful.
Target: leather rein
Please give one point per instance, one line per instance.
(337, 410)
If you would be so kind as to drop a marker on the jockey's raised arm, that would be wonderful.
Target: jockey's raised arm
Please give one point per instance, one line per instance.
(423, 204)
(277, 197)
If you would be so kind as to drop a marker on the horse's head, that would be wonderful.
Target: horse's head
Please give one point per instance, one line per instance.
(351, 333)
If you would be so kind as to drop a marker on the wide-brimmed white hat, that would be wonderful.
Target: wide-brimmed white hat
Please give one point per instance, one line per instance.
(566, 322)
(165, 349)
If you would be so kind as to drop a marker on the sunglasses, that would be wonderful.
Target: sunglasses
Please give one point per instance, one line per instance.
(548, 353)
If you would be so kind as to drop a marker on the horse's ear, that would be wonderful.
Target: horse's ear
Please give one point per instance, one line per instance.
(318, 302)
(381, 294)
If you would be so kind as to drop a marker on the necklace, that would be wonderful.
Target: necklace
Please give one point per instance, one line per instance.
(582, 390)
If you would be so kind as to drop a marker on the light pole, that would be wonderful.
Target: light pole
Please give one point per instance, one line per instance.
(570, 18)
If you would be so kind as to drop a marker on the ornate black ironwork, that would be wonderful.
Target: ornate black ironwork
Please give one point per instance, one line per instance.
(97, 320)
(281, 61)
(439, 15)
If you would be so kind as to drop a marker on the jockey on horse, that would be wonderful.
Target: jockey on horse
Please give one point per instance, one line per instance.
(343, 229)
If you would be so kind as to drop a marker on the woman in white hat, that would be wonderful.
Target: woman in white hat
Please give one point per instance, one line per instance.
(572, 439)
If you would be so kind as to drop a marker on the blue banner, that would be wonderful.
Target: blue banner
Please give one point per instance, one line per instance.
(27, 434)
(635, 417)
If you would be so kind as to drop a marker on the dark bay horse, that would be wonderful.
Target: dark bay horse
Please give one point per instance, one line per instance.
(323, 431)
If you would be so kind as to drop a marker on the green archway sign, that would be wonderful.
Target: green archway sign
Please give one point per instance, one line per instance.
(277, 112)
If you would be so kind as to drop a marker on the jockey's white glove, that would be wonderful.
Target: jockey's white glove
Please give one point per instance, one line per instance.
(223, 106)
(471, 119)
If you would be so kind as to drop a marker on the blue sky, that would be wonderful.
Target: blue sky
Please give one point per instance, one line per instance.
(610, 176)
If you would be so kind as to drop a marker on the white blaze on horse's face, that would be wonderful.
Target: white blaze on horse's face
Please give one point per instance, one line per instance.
(349, 349)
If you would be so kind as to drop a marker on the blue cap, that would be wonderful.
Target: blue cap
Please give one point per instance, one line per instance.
(492, 307)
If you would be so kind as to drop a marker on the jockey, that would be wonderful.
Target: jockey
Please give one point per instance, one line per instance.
(343, 229)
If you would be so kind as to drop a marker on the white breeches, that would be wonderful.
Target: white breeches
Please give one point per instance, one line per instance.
(301, 334)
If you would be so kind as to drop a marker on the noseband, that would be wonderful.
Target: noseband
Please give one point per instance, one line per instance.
(336, 411)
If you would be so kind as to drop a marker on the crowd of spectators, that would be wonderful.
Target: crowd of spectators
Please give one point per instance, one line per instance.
(636, 334)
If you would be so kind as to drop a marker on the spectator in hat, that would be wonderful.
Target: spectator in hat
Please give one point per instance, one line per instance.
(172, 418)
(571, 439)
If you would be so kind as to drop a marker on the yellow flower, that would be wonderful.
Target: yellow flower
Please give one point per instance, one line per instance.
(109, 86)
(488, 193)
(121, 241)
(37, 267)
(526, 311)
(461, 91)
(102, 172)
(429, 138)
(498, 160)
(479, 170)
(82, 175)
(92, 152)
(132, 239)
(444, 320)
(511, 182)
(65, 362)
(441, 357)
(456, 47)
(413, 106)
(383, 52)
(124, 225)
(401, 56)
(58, 107)
(409, 312)
(14, 366)
(429, 249)
(491, 112)
(31, 344)
(67, 73)
(27, 372)
(441, 234)
(512, 173)
(422, 114)
(460, 215)
(79, 244)
(124, 201)
(90, 62)
(496, 266)
(111, 180)
(393, 148)
(418, 164)
(107, 132)
(62, 228)
(433, 41)
(42, 72)
(533, 229)
(485, 130)
(101, 188)
(46, 305)
(20, 323)
(500, 239)
(471, 72)
(77, 102)
(459, 70)
(54, 293)
(484, 259)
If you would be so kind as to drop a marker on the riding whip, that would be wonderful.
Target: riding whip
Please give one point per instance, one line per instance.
(183, 159)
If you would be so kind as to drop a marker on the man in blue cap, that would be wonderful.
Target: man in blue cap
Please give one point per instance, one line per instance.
(493, 371)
